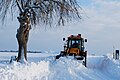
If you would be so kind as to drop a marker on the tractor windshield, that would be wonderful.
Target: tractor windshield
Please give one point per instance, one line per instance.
(76, 43)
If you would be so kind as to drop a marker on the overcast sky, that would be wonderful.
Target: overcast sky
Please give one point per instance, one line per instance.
(100, 24)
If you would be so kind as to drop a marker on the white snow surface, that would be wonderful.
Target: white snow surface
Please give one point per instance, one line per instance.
(43, 66)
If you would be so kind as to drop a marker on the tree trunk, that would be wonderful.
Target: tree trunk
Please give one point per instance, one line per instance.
(22, 37)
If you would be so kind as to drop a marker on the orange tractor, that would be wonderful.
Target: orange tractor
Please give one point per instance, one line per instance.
(74, 46)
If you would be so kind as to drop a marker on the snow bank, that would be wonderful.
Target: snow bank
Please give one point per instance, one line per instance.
(97, 62)
(66, 69)
(105, 64)
(113, 69)
(31, 71)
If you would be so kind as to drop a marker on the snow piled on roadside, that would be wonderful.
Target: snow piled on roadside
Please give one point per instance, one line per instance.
(109, 68)
(47, 68)
(31, 71)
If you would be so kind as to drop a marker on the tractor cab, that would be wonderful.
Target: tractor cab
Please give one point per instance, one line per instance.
(73, 43)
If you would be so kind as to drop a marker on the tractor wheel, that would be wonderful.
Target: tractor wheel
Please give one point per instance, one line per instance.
(84, 63)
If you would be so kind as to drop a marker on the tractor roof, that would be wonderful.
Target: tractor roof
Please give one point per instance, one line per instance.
(75, 36)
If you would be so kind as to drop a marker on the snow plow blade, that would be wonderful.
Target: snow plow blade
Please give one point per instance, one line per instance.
(79, 58)
(58, 56)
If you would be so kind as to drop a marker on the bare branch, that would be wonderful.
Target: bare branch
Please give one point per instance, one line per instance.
(43, 11)
(18, 4)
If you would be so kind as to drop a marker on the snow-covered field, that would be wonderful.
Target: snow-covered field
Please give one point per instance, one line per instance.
(42, 66)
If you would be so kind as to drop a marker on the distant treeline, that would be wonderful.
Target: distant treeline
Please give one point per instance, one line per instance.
(17, 51)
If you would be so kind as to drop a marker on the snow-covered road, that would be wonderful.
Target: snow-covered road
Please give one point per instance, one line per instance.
(42, 66)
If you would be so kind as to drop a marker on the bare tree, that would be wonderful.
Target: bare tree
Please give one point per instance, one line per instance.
(33, 12)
